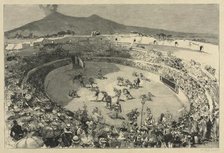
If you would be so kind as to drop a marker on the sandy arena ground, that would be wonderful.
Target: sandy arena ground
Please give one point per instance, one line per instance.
(59, 82)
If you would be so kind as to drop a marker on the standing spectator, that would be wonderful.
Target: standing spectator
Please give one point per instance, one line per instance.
(202, 128)
(117, 109)
(137, 82)
(97, 92)
(201, 48)
(215, 128)
(209, 128)
(108, 101)
(193, 127)
(155, 42)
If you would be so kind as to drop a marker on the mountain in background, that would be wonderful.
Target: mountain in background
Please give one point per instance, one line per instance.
(56, 22)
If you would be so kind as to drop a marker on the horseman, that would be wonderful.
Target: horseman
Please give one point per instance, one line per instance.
(117, 93)
(105, 94)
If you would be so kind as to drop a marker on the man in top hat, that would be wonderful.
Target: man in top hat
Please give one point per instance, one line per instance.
(67, 136)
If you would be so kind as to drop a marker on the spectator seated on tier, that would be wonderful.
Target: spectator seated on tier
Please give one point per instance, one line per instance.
(16, 131)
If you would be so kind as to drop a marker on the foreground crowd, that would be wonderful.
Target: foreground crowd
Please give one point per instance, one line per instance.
(56, 127)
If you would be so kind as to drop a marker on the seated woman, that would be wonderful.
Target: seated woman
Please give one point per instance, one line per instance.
(16, 131)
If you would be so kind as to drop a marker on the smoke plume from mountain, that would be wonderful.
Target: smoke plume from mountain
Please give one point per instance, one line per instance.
(49, 8)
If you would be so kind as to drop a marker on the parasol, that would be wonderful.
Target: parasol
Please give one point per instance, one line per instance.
(76, 139)
(30, 142)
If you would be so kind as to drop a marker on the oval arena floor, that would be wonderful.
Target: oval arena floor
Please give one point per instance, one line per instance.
(59, 82)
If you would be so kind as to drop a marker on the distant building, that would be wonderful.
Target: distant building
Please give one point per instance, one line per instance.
(18, 46)
(38, 42)
(10, 47)
(95, 33)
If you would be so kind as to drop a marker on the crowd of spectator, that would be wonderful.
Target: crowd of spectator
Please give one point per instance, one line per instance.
(32, 112)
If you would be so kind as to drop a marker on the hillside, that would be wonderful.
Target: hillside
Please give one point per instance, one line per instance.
(57, 22)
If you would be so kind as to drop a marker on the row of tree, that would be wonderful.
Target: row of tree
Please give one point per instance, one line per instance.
(163, 36)
(27, 34)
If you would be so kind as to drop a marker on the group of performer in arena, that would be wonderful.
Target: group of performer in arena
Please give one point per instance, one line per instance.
(103, 96)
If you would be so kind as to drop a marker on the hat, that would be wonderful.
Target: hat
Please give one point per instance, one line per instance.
(68, 125)
(102, 140)
(14, 121)
(76, 139)
(143, 128)
(123, 129)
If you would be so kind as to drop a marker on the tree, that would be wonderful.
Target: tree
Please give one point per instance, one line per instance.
(73, 32)
(169, 36)
(61, 33)
(163, 35)
(68, 32)
(25, 33)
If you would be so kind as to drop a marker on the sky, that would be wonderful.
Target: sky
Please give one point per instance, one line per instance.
(192, 18)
